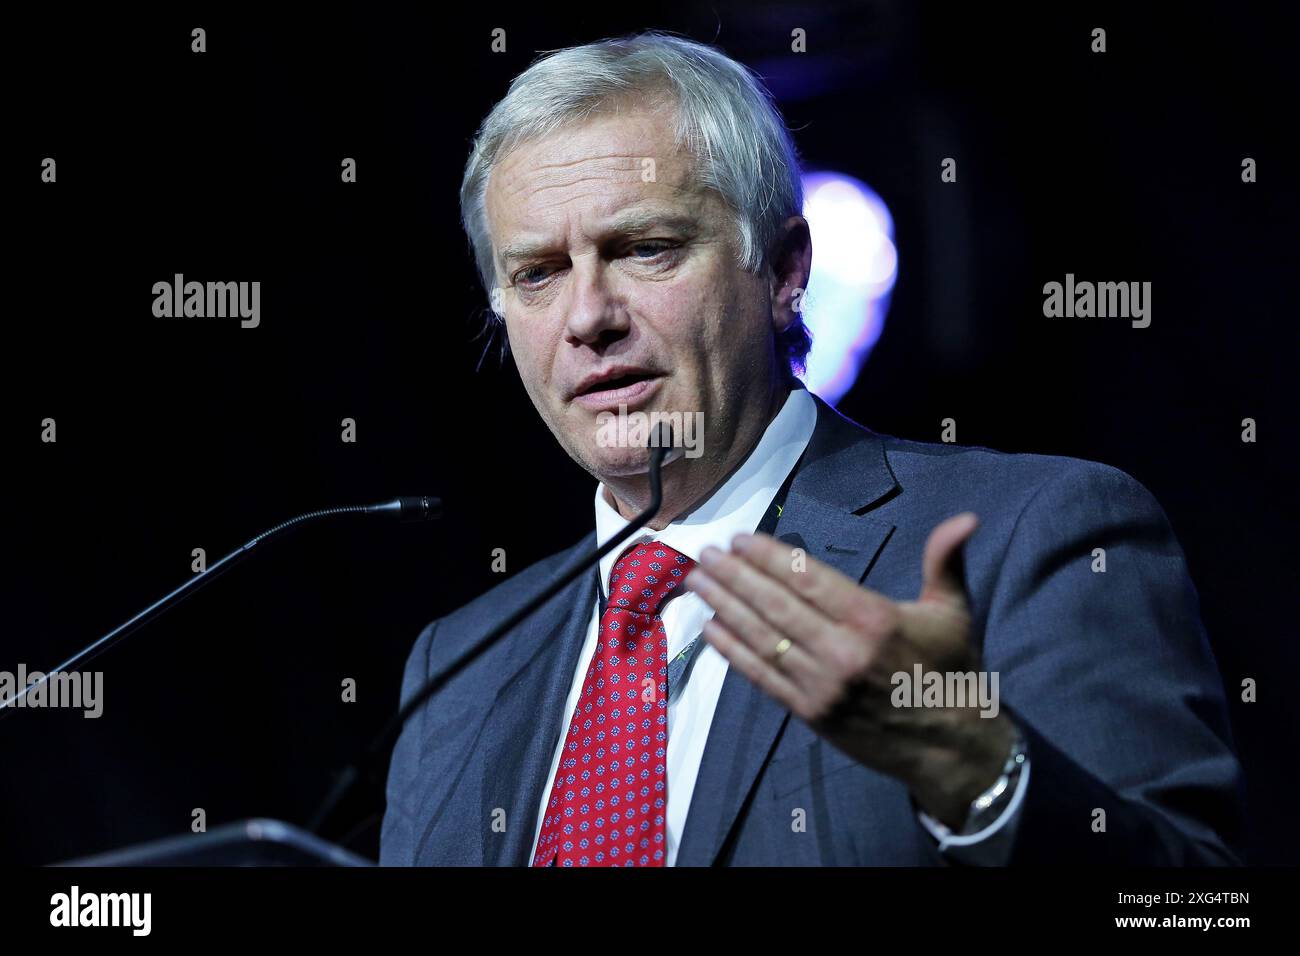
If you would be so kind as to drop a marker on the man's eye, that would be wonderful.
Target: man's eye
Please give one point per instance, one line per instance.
(531, 275)
(651, 248)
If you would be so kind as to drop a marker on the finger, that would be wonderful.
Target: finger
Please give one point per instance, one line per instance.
(834, 593)
(782, 609)
(943, 577)
(769, 678)
(750, 627)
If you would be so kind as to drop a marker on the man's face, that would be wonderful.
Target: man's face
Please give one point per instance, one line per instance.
(620, 287)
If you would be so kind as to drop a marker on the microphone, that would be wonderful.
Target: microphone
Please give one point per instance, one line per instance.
(410, 510)
(386, 738)
(418, 508)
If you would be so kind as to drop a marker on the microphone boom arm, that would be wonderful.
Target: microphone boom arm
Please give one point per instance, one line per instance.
(417, 508)
(348, 778)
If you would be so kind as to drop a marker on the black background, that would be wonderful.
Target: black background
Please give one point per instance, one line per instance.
(176, 434)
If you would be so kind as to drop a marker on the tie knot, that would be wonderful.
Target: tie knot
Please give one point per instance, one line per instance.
(644, 574)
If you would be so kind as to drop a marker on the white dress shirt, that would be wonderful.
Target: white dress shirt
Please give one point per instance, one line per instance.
(738, 506)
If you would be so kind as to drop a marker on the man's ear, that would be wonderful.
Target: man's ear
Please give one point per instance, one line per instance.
(791, 266)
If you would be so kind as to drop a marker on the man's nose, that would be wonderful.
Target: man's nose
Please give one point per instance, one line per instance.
(596, 311)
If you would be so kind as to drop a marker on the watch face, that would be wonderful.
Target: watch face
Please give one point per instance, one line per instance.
(988, 806)
(981, 816)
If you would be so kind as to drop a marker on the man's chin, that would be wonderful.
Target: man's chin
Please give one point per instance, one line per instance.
(619, 462)
(629, 463)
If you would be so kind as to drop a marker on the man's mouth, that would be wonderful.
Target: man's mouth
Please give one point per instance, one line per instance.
(614, 387)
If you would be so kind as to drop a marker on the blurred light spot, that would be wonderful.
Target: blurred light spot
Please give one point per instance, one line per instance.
(855, 264)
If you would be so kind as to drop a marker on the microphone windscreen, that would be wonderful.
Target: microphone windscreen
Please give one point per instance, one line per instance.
(420, 508)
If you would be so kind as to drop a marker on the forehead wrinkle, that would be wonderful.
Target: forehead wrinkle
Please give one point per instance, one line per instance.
(564, 185)
(549, 174)
(618, 204)
(561, 164)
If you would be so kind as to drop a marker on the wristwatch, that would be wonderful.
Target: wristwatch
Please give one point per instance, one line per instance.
(988, 806)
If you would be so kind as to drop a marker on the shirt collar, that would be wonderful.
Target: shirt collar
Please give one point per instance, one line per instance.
(737, 505)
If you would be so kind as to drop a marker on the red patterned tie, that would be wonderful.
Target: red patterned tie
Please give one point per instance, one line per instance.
(610, 795)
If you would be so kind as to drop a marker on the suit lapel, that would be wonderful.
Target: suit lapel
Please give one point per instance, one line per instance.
(842, 471)
(528, 714)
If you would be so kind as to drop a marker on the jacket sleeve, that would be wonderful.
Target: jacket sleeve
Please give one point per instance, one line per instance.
(397, 839)
(1111, 678)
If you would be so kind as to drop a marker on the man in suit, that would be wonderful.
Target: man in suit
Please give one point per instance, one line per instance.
(830, 646)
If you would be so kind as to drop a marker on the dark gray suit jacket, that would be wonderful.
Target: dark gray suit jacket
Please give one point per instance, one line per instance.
(1109, 674)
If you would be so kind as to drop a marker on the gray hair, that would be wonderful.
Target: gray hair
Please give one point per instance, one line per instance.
(725, 118)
